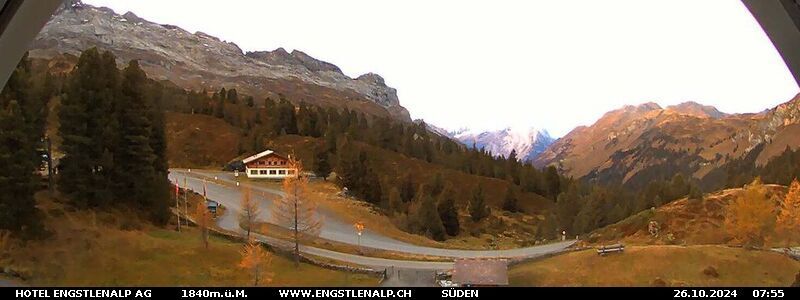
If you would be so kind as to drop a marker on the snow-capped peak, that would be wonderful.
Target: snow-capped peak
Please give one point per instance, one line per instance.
(528, 142)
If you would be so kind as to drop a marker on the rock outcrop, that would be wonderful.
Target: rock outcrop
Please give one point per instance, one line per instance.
(199, 60)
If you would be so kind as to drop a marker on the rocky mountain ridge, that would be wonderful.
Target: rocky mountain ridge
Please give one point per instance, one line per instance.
(198, 60)
(635, 144)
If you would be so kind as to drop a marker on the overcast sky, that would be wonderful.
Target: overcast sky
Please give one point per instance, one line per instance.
(491, 64)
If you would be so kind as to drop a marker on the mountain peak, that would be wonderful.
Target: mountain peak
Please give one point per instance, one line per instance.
(168, 52)
(644, 107)
(697, 109)
(528, 142)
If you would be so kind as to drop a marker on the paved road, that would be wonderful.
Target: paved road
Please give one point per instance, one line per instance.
(225, 192)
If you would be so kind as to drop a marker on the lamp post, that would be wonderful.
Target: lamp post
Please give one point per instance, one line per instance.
(50, 179)
(359, 230)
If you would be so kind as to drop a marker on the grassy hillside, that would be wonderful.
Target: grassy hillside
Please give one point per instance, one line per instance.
(204, 141)
(200, 140)
(660, 265)
(681, 221)
(110, 249)
(216, 142)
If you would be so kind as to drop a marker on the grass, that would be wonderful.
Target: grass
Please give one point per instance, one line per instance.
(674, 265)
(683, 222)
(88, 248)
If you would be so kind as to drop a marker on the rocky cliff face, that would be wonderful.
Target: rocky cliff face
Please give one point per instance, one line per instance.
(198, 60)
(637, 143)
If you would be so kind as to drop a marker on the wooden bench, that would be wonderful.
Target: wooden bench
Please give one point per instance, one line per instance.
(603, 250)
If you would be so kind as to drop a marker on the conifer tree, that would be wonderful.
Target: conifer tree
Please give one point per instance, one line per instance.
(429, 219)
(89, 129)
(18, 211)
(448, 212)
(477, 205)
(510, 201)
(139, 182)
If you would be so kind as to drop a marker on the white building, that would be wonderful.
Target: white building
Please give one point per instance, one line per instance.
(270, 165)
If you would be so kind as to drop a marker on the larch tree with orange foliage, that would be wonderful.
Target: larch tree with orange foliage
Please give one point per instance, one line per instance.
(296, 211)
(789, 218)
(249, 212)
(202, 217)
(256, 260)
(751, 217)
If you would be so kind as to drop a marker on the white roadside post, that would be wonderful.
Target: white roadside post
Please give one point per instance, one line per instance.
(563, 235)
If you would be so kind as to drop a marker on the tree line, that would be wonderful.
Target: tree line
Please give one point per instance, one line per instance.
(23, 112)
(113, 135)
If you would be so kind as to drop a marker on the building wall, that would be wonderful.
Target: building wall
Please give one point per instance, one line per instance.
(271, 173)
(269, 161)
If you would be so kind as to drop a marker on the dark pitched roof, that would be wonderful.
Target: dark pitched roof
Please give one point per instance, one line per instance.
(481, 272)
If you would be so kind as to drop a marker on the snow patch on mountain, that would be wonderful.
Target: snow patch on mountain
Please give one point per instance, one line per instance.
(528, 142)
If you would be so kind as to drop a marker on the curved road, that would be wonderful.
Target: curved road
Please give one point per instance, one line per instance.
(334, 229)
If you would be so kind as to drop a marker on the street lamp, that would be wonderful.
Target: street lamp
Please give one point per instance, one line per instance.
(359, 230)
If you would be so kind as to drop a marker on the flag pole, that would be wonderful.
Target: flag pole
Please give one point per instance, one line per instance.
(177, 206)
(186, 201)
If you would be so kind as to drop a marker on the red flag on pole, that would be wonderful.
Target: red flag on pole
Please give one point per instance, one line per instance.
(177, 188)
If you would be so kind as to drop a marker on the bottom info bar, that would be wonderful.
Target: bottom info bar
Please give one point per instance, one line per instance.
(392, 293)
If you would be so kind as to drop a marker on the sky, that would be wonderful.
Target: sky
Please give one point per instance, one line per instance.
(487, 65)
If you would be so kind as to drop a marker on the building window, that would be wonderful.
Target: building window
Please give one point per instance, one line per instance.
(263, 172)
(253, 172)
(283, 163)
(282, 172)
(271, 172)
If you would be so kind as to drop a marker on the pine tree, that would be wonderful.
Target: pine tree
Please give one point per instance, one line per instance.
(477, 205)
(448, 213)
(89, 130)
(567, 207)
(18, 211)
(321, 165)
(510, 201)
(232, 96)
(437, 185)
(552, 182)
(396, 204)
(407, 191)
(251, 102)
(428, 217)
(139, 183)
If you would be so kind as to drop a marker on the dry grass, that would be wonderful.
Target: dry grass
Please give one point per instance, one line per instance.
(675, 265)
(90, 248)
(685, 222)
(188, 144)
